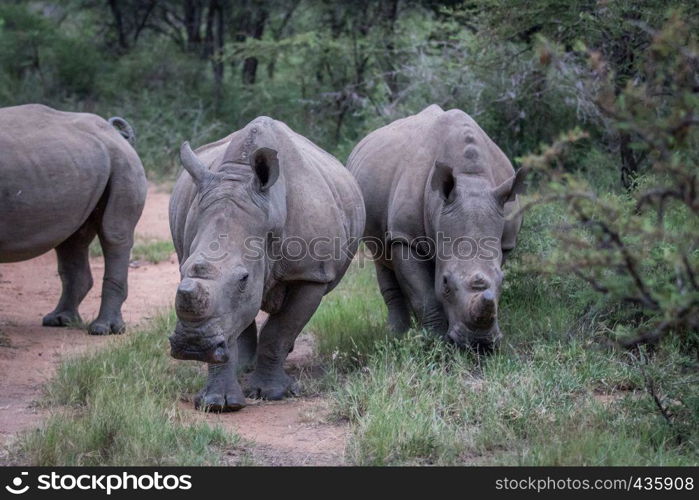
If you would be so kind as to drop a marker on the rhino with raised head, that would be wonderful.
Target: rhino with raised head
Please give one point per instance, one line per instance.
(64, 178)
(261, 220)
(439, 194)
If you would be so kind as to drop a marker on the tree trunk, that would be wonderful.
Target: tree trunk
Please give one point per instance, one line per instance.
(255, 30)
(193, 10)
(119, 24)
(218, 54)
(389, 10)
(213, 45)
(278, 32)
(629, 162)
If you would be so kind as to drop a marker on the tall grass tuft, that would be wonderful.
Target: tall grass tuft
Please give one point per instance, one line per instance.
(351, 320)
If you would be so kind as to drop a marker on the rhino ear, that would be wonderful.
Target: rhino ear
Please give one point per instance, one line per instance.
(192, 164)
(265, 164)
(443, 181)
(511, 187)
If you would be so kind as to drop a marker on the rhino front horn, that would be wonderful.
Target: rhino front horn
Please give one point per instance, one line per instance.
(192, 164)
(192, 300)
(483, 309)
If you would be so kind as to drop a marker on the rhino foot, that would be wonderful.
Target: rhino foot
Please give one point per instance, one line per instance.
(219, 401)
(271, 388)
(101, 327)
(61, 318)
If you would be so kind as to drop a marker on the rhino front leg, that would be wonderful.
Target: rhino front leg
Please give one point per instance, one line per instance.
(269, 380)
(416, 278)
(247, 347)
(76, 278)
(222, 391)
(398, 313)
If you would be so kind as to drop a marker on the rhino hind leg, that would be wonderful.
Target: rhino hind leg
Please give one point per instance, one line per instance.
(76, 278)
(116, 230)
(269, 380)
(398, 312)
(114, 289)
(222, 392)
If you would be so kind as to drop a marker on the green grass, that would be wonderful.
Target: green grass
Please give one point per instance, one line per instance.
(153, 251)
(418, 401)
(119, 406)
(351, 319)
(144, 249)
(554, 394)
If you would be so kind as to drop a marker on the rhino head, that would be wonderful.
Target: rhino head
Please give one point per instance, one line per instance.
(469, 221)
(222, 281)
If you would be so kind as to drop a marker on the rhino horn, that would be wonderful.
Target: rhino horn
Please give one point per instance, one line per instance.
(483, 309)
(193, 164)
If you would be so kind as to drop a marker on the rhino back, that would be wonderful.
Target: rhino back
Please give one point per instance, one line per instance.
(393, 164)
(54, 169)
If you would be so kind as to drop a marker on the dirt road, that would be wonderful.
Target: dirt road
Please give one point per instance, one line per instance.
(291, 432)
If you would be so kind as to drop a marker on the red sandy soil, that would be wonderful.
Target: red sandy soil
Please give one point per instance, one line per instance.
(290, 432)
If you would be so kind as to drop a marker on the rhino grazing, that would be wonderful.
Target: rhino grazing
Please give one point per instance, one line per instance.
(64, 178)
(438, 193)
(257, 220)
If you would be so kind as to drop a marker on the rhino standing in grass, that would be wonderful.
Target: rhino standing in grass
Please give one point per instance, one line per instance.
(261, 220)
(64, 178)
(438, 195)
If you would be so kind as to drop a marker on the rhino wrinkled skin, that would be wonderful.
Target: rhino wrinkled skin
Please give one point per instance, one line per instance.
(427, 180)
(265, 184)
(64, 178)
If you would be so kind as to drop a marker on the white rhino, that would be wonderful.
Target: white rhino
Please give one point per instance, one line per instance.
(438, 196)
(64, 178)
(261, 219)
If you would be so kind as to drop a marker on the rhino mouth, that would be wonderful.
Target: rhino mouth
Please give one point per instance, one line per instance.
(190, 346)
(479, 341)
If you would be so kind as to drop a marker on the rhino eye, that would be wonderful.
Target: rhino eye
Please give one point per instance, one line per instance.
(243, 281)
(446, 289)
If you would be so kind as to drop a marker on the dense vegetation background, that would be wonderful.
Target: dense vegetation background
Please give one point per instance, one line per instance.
(599, 98)
(196, 69)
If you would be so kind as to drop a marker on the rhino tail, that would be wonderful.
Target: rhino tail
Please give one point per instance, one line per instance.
(124, 128)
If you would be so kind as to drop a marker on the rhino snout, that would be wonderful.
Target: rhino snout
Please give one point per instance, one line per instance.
(193, 300)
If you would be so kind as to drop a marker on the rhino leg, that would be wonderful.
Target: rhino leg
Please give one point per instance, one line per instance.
(115, 233)
(269, 380)
(222, 391)
(76, 278)
(398, 313)
(416, 278)
(247, 347)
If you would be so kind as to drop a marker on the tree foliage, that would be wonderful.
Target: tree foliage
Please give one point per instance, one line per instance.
(639, 248)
